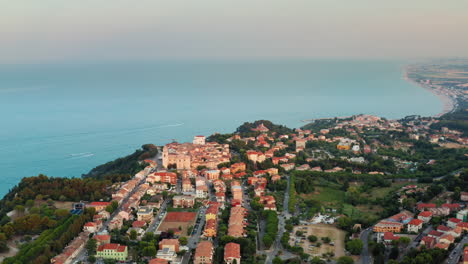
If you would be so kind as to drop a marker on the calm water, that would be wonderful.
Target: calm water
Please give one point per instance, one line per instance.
(63, 120)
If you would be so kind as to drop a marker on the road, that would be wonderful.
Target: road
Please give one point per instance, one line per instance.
(366, 257)
(457, 251)
(159, 216)
(282, 217)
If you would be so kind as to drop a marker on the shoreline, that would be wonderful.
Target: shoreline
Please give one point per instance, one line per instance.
(449, 103)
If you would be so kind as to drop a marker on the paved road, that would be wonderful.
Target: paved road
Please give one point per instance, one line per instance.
(159, 216)
(282, 217)
(457, 251)
(366, 257)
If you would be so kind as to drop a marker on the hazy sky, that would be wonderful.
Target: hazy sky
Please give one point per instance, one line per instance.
(61, 30)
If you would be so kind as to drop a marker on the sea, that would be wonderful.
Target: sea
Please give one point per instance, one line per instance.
(64, 119)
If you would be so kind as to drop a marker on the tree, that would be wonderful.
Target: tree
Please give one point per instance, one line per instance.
(345, 260)
(133, 234)
(404, 241)
(183, 241)
(92, 259)
(345, 223)
(277, 260)
(149, 251)
(312, 238)
(326, 240)
(354, 246)
(317, 260)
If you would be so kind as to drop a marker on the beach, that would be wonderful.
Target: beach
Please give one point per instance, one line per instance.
(449, 103)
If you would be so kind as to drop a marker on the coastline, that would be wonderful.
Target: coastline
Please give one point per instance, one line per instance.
(449, 103)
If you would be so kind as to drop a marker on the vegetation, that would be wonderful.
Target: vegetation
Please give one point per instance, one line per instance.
(52, 241)
(128, 165)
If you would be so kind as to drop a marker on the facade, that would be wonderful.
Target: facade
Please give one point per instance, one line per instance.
(414, 225)
(184, 201)
(388, 226)
(145, 213)
(204, 253)
(112, 251)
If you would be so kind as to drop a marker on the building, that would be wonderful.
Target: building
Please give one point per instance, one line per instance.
(112, 251)
(453, 222)
(425, 216)
(388, 226)
(171, 244)
(428, 242)
(183, 201)
(166, 254)
(232, 253)
(203, 253)
(199, 140)
(464, 196)
(158, 261)
(415, 225)
(189, 156)
(463, 215)
(164, 177)
(145, 213)
(236, 222)
(99, 206)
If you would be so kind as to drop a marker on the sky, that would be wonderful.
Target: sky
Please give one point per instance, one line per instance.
(89, 30)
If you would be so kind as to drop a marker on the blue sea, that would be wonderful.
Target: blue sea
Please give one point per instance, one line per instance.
(64, 119)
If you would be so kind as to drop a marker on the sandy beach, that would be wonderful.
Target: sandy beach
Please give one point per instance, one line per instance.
(449, 103)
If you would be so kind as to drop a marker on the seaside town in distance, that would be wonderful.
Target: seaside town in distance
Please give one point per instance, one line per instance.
(358, 189)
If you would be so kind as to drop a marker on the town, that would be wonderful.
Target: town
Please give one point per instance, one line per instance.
(360, 189)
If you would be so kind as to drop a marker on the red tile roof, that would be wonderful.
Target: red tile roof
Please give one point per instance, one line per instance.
(232, 250)
(416, 222)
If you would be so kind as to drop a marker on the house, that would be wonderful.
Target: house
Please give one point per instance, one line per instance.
(452, 207)
(443, 229)
(435, 234)
(425, 216)
(166, 254)
(183, 201)
(440, 211)
(210, 228)
(232, 253)
(464, 196)
(389, 237)
(187, 185)
(452, 222)
(138, 224)
(171, 244)
(428, 241)
(102, 238)
(212, 174)
(158, 261)
(463, 226)
(203, 253)
(90, 227)
(422, 206)
(447, 239)
(414, 225)
(145, 213)
(112, 251)
(99, 206)
(463, 215)
(442, 246)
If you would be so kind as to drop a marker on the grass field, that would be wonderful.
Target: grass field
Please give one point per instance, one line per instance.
(326, 195)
